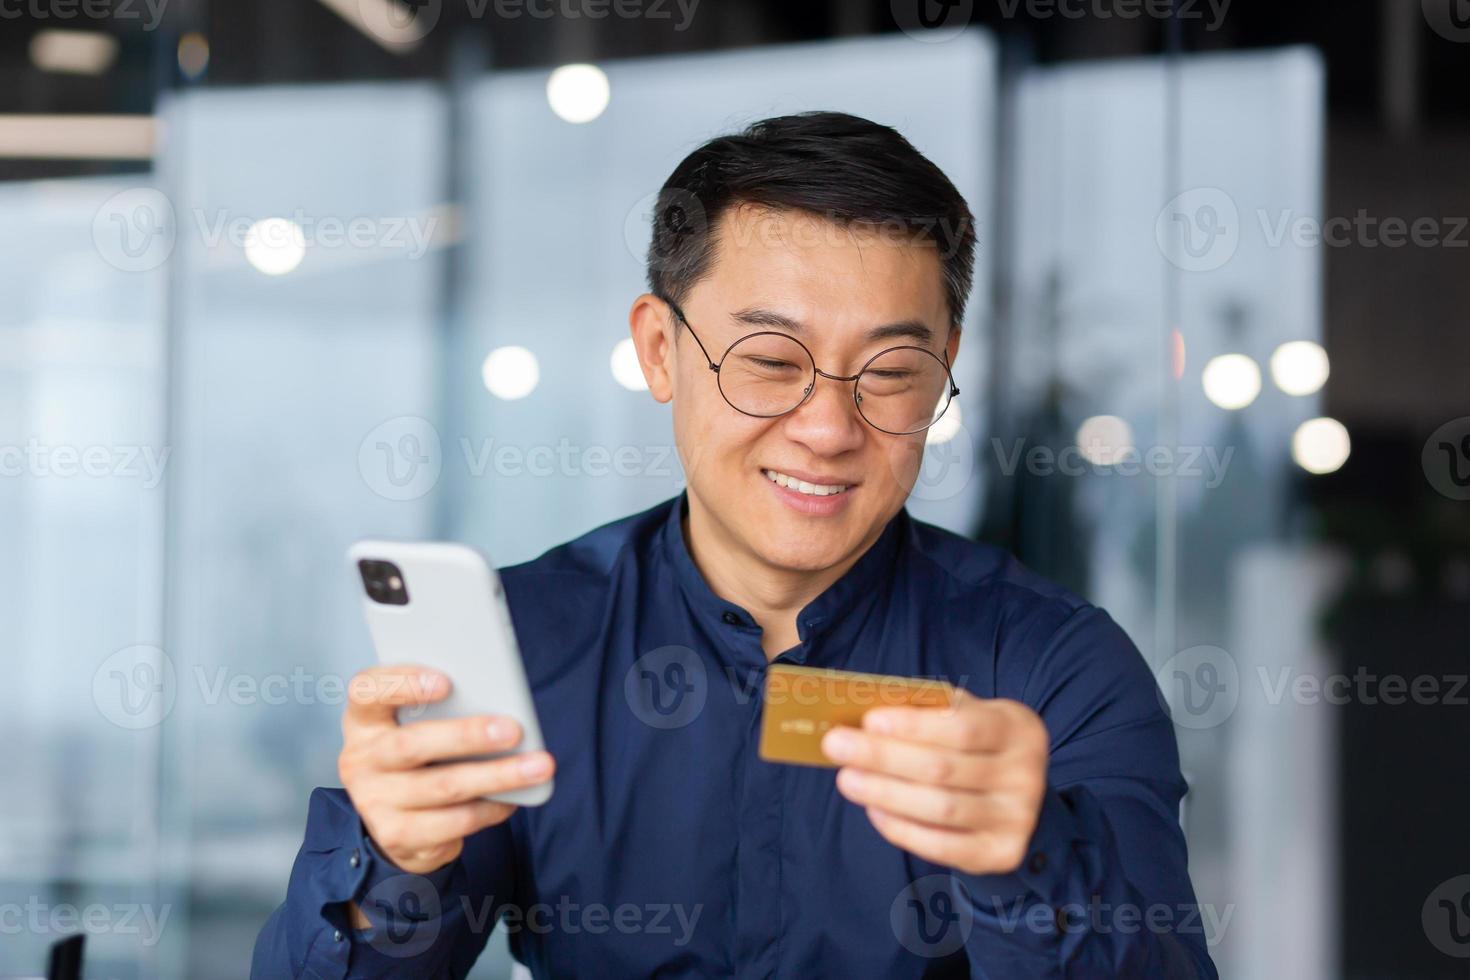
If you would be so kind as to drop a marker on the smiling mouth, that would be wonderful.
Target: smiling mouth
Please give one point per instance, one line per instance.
(800, 486)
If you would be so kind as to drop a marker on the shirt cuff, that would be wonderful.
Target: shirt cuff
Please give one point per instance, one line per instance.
(405, 910)
(1039, 889)
(380, 871)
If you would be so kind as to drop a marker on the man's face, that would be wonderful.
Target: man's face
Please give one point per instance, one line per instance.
(834, 285)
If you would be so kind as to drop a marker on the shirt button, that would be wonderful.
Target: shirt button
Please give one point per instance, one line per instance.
(355, 860)
(731, 619)
(337, 935)
(1037, 864)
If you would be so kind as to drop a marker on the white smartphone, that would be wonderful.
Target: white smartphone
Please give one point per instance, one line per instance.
(442, 605)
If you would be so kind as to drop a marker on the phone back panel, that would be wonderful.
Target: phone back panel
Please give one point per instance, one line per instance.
(457, 622)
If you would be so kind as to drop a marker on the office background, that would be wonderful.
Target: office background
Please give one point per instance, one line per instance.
(283, 274)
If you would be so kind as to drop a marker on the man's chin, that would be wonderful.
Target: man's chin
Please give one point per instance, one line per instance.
(802, 555)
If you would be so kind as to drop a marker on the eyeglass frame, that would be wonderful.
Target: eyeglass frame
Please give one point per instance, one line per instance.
(812, 387)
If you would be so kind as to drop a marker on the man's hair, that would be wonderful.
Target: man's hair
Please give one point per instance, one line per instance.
(845, 169)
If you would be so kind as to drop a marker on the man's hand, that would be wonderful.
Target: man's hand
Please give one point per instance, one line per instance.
(418, 815)
(961, 787)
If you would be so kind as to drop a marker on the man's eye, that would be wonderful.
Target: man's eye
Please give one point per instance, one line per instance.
(768, 364)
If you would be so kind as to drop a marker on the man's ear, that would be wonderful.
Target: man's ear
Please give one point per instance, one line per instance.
(952, 348)
(650, 323)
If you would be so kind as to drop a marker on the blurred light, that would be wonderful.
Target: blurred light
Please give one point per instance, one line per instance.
(73, 52)
(193, 54)
(1103, 439)
(1320, 445)
(275, 246)
(391, 24)
(578, 93)
(1232, 381)
(625, 368)
(510, 372)
(947, 427)
(32, 136)
(1300, 367)
(1176, 353)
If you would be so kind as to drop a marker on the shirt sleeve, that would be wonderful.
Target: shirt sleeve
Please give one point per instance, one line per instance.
(432, 925)
(1104, 890)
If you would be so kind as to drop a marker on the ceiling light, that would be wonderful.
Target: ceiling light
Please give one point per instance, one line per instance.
(510, 372)
(1300, 367)
(578, 93)
(1232, 381)
(1321, 445)
(32, 136)
(73, 52)
(625, 368)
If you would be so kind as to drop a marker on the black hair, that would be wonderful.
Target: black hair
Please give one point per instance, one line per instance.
(848, 170)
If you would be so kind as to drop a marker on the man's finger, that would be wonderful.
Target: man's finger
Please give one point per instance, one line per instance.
(977, 853)
(418, 743)
(418, 830)
(936, 805)
(375, 694)
(922, 763)
(974, 725)
(460, 782)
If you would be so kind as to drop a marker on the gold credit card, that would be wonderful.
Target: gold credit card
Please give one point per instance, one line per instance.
(802, 703)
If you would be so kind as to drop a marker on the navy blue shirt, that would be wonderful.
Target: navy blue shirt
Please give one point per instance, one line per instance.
(670, 849)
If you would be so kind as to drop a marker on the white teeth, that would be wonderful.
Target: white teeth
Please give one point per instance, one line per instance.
(801, 486)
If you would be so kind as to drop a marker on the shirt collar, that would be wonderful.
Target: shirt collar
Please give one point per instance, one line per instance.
(843, 599)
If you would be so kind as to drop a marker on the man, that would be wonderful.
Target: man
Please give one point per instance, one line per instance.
(807, 282)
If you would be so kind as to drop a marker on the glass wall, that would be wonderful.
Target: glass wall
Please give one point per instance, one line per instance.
(1143, 449)
(82, 477)
(309, 271)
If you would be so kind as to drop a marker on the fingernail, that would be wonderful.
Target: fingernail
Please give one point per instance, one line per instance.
(839, 744)
(498, 731)
(430, 683)
(535, 765)
(852, 780)
(878, 721)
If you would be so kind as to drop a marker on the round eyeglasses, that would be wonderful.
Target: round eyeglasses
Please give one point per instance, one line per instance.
(900, 390)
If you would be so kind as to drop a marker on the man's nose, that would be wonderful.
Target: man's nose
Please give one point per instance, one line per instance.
(827, 422)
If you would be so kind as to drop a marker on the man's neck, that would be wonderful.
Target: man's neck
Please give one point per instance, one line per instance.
(773, 595)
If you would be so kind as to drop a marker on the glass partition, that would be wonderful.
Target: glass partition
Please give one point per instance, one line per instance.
(85, 455)
(1143, 449)
(309, 271)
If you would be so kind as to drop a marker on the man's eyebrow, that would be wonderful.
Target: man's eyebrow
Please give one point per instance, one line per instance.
(910, 329)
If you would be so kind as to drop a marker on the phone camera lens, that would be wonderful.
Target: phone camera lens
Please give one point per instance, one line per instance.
(384, 582)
